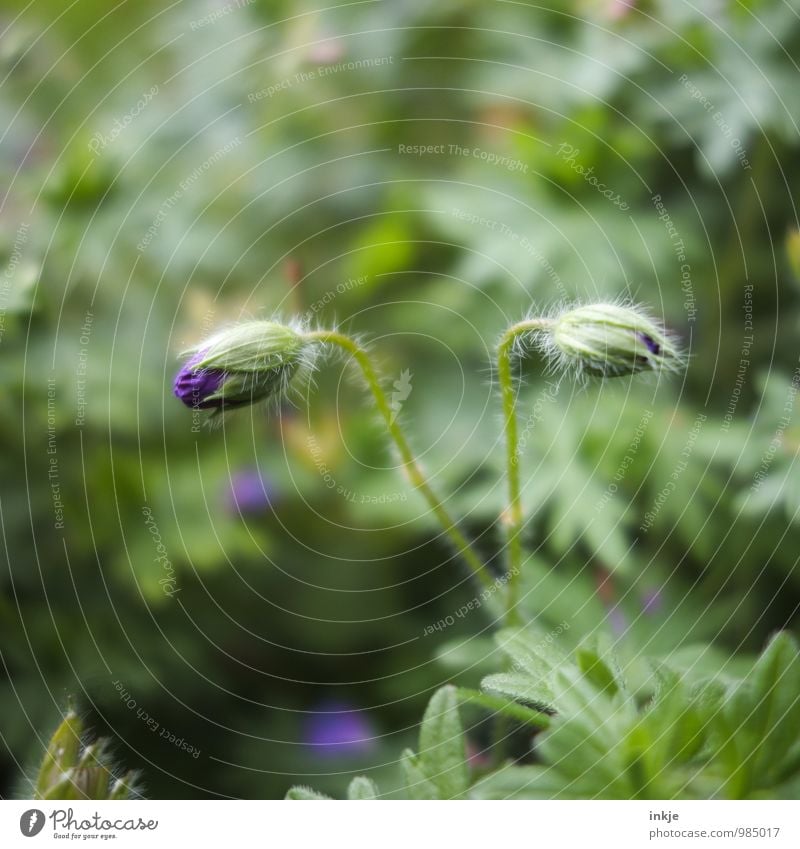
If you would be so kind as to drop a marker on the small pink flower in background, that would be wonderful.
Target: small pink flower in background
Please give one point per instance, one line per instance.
(620, 8)
(326, 52)
(477, 758)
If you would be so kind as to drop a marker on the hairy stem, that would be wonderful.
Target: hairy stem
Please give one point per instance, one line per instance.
(513, 517)
(410, 463)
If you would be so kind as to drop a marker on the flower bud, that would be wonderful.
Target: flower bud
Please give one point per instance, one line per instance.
(610, 340)
(71, 770)
(241, 365)
(63, 752)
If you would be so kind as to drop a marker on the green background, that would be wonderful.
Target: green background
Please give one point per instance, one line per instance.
(303, 201)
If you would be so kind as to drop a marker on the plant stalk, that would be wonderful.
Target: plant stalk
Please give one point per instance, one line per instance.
(513, 517)
(410, 463)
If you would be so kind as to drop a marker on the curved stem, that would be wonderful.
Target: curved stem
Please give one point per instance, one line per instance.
(513, 518)
(410, 463)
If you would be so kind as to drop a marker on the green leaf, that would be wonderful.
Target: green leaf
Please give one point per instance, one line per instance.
(763, 715)
(500, 705)
(521, 687)
(418, 784)
(521, 782)
(306, 794)
(530, 651)
(602, 672)
(362, 788)
(442, 753)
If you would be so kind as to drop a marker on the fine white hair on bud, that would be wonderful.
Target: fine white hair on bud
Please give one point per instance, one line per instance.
(609, 340)
(242, 365)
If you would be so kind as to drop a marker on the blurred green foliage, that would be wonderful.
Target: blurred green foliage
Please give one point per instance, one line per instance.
(266, 174)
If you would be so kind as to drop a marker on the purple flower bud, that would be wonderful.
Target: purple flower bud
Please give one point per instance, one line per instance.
(650, 343)
(196, 387)
(337, 729)
(241, 365)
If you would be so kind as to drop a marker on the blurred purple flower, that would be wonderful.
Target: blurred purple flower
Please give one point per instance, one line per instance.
(652, 601)
(250, 492)
(617, 620)
(337, 729)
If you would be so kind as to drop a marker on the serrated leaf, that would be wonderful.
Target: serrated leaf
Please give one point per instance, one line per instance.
(442, 753)
(521, 782)
(530, 652)
(362, 788)
(418, 785)
(763, 713)
(522, 688)
(604, 674)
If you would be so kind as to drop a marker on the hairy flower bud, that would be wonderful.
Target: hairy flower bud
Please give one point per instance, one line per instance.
(72, 770)
(241, 365)
(610, 340)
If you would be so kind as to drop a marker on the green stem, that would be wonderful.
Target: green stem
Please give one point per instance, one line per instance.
(513, 517)
(410, 463)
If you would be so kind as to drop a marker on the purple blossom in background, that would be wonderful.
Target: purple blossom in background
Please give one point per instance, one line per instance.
(250, 492)
(617, 620)
(652, 601)
(338, 730)
(194, 386)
